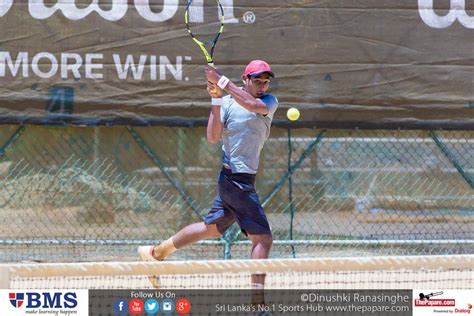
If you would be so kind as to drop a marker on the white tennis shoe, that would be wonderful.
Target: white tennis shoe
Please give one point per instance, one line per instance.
(146, 253)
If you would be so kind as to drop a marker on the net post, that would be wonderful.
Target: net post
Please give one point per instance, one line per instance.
(4, 277)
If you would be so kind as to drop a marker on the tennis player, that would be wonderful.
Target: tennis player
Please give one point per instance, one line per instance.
(242, 121)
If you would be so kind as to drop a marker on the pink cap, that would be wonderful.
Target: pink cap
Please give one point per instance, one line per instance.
(258, 67)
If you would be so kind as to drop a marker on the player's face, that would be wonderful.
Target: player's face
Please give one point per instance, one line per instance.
(257, 86)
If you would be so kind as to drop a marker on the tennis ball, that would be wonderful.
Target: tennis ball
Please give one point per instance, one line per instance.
(293, 114)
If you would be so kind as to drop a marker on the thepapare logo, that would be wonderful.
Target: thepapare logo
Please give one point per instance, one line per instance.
(118, 8)
(44, 299)
(457, 11)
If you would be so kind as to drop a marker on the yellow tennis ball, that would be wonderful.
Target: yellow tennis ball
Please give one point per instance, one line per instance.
(293, 114)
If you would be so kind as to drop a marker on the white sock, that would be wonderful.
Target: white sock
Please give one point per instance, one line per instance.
(164, 249)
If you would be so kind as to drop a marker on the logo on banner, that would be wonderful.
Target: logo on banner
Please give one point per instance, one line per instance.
(443, 302)
(135, 306)
(118, 8)
(183, 306)
(457, 11)
(426, 300)
(167, 306)
(121, 306)
(152, 306)
(464, 310)
(16, 299)
(44, 299)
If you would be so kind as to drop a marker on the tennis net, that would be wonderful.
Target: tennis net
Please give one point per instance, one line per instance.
(391, 272)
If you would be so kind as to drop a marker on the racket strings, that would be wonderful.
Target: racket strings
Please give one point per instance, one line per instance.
(204, 22)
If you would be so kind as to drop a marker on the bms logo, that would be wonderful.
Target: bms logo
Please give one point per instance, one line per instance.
(16, 299)
(457, 11)
(44, 299)
(118, 8)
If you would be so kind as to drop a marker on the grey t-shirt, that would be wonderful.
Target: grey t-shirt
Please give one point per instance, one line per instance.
(245, 133)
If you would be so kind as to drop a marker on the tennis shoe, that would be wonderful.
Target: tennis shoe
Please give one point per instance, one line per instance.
(146, 253)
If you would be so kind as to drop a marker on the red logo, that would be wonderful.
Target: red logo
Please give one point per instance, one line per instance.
(183, 306)
(435, 303)
(136, 306)
(16, 299)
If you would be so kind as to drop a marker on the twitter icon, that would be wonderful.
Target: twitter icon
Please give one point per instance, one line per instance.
(152, 306)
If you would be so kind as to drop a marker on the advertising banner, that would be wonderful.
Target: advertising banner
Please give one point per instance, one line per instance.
(337, 61)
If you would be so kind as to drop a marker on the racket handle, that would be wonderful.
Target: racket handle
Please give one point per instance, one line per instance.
(214, 90)
(215, 101)
(212, 65)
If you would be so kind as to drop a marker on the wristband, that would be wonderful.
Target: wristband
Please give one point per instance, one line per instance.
(216, 101)
(223, 81)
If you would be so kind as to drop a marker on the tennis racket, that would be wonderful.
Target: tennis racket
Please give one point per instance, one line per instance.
(427, 296)
(205, 23)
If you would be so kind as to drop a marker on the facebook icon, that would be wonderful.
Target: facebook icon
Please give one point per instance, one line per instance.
(121, 306)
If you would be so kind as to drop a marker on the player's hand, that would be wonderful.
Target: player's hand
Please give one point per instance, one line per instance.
(213, 90)
(212, 74)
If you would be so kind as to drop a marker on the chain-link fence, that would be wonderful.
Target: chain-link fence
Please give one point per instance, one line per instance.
(95, 193)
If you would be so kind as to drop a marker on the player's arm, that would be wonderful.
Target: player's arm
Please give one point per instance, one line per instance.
(242, 97)
(214, 124)
(245, 99)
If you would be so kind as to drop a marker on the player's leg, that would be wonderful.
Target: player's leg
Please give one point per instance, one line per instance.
(186, 236)
(261, 245)
(241, 199)
(194, 233)
(217, 221)
(239, 196)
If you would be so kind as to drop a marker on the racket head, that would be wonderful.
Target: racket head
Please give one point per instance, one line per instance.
(204, 20)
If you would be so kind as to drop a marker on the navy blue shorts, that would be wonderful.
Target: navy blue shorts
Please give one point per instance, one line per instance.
(237, 200)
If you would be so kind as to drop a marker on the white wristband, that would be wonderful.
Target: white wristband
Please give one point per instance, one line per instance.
(216, 101)
(223, 81)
